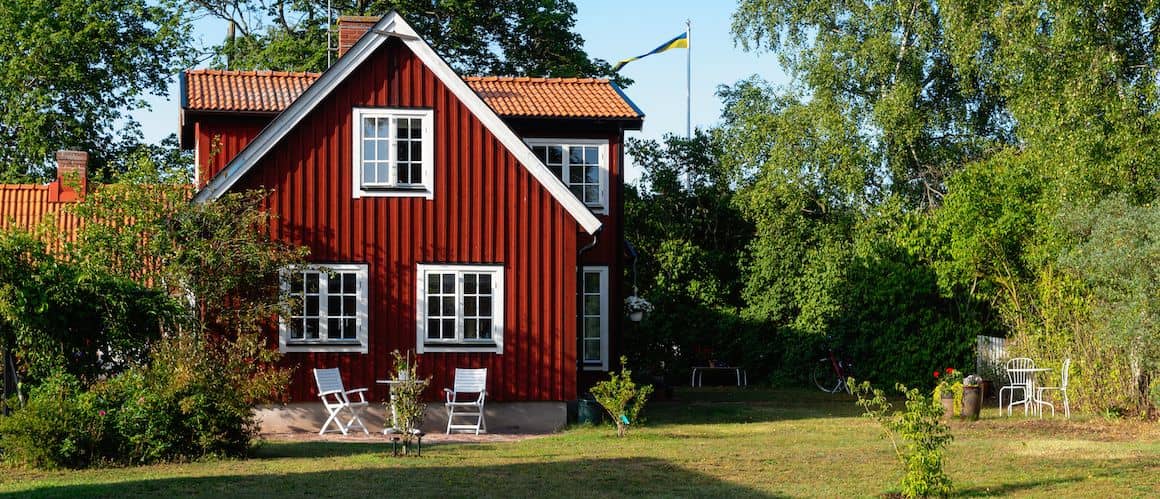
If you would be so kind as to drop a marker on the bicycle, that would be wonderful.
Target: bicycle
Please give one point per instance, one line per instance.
(831, 372)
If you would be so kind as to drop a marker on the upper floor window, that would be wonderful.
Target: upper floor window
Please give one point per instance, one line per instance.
(581, 164)
(393, 152)
(329, 309)
(460, 308)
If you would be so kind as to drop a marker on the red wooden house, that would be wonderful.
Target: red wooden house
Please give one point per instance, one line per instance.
(477, 221)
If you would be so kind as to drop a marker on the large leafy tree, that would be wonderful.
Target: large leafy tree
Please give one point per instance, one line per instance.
(501, 37)
(70, 70)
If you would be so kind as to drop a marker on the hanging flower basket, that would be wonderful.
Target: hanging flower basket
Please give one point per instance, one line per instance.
(636, 307)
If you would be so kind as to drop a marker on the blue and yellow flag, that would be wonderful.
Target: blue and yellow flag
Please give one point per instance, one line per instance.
(680, 42)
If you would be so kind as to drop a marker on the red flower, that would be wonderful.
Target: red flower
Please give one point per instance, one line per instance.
(936, 374)
(950, 370)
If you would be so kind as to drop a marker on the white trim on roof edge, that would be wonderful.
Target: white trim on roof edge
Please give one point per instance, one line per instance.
(394, 25)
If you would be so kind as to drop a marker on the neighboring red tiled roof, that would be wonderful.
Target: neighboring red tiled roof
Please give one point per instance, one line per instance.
(244, 91)
(26, 206)
(273, 91)
(553, 97)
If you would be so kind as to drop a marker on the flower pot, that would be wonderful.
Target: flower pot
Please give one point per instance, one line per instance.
(986, 389)
(635, 315)
(948, 403)
(972, 402)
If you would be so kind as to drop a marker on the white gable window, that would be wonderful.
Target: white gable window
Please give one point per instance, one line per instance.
(329, 309)
(393, 152)
(460, 308)
(581, 164)
(594, 332)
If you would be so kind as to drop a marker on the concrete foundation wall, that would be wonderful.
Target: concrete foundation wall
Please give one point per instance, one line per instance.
(512, 417)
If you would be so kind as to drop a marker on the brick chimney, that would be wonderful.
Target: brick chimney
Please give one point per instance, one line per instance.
(71, 177)
(351, 28)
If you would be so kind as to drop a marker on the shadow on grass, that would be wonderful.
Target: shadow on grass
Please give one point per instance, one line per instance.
(719, 405)
(1128, 469)
(424, 477)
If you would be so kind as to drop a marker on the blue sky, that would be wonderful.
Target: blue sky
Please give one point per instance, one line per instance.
(614, 30)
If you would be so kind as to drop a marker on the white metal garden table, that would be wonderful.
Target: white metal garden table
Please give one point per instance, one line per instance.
(1028, 389)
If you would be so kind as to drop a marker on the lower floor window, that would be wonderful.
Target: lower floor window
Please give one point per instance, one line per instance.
(328, 308)
(594, 317)
(460, 308)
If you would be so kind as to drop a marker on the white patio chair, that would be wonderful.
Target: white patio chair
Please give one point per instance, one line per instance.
(467, 382)
(1062, 391)
(336, 399)
(1016, 381)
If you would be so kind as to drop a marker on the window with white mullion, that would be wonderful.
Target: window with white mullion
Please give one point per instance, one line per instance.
(582, 165)
(583, 168)
(441, 310)
(594, 317)
(393, 152)
(376, 151)
(460, 308)
(477, 306)
(329, 309)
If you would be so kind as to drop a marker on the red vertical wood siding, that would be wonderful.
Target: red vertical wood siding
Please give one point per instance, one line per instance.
(487, 209)
(221, 137)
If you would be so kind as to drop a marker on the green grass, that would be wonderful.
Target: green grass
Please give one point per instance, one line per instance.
(710, 443)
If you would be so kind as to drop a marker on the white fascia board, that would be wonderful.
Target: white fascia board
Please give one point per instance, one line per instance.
(393, 23)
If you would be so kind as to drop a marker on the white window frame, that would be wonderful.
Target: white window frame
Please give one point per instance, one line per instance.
(424, 189)
(602, 205)
(602, 363)
(324, 344)
(494, 345)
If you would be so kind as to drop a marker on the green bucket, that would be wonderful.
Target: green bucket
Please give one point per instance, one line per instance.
(588, 412)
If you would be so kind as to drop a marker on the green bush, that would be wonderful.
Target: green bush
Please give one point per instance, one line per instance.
(918, 435)
(60, 426)
(186, 404)
(621, 397)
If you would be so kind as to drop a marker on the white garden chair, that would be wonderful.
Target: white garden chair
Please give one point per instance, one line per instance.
(1062, 391)
(461, 403)
(1016, 381)
(336, 399)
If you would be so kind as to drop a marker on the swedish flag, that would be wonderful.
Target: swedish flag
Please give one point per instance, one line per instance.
(680, 42)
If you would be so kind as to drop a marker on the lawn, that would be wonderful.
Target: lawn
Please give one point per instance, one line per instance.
(711, 442)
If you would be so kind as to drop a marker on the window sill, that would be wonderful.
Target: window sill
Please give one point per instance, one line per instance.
(330, 346)
(420, 191)
(462, 347)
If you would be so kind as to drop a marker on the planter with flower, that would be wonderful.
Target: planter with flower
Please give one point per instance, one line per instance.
(949, 390)
(972, 400)
(636, 307)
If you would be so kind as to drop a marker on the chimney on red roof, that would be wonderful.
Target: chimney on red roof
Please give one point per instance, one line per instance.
(351, 28)
(71, 177)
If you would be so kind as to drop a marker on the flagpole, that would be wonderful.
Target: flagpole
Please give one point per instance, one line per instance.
(689, 79)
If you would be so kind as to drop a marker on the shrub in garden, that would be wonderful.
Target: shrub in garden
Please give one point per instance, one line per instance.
(621, 398)
(917, 434)
(61, 425)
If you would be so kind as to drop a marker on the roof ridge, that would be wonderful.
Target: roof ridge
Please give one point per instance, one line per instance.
(251, 72)
(535, 79)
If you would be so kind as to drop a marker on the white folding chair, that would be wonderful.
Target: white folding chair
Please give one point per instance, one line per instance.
(1062, 391)
(336, 399)
(467, 382)
(1016, 381)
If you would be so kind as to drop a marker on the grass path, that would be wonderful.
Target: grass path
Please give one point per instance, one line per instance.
(719, 443)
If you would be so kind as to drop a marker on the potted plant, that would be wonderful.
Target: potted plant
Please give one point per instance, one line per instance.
(402, 365)
(949, 390)
(637, 307)
(972, 397)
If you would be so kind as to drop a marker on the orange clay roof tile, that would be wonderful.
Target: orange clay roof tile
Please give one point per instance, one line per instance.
(273, 91)
(26, 206)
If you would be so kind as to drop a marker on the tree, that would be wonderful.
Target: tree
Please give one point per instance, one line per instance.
(71, 69)
(690, 239)
(508, 37)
